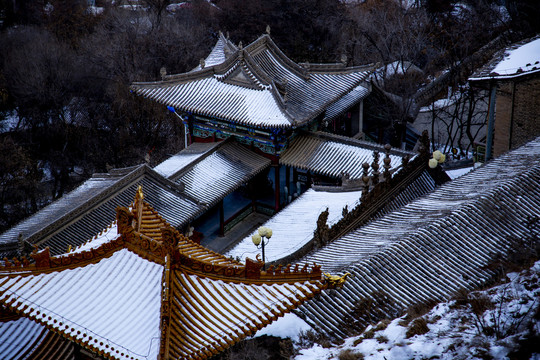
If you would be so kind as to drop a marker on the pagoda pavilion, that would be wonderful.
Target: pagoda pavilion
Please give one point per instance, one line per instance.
(258, 95)
(262, 99)
(141, 290)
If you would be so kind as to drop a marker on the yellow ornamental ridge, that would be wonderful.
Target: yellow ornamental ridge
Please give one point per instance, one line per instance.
(335, 281)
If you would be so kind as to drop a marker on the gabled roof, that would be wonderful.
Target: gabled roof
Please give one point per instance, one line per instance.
(214, 175)
(142, 295)
(333, 155)
(256, 86)
(82, 213)
(519, 59)
(436, 244)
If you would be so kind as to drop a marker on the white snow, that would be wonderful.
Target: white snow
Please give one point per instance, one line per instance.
(293, 226)
(455, 173)
(175, 163)
(524, 57)
(105, 236)
(288, 326)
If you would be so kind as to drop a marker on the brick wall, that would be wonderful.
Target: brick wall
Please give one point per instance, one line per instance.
(515, 127)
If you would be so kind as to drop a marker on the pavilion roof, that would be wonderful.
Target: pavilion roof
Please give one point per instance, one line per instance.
(215, 174)
(334, 155)
(256, 86)
(436, 244)
(142, 294)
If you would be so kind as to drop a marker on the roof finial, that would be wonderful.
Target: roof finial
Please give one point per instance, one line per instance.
(163, 72)
(268, 29)
(227, 35)
(375, 167)
(240, 46)
(202, 63)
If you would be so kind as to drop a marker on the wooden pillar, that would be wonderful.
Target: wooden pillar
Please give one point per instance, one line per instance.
(276, 187)
(221, 219)
(288, 182)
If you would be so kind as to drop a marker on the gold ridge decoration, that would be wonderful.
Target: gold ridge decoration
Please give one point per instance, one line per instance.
(335, 281)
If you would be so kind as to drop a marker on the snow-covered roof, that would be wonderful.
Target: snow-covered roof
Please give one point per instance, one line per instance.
(434, 245)
(176, 163)
(294, 225)
(18, 336)
(333, 155)
(219, 53)
(151, 293)
(339, 107)
(522, 58)
(212, 177)
(82, 213)
(256, 86)
(129, 300)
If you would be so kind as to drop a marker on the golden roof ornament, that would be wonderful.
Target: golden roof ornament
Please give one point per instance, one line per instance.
(268, 29)
(335, 281)
(139, 195)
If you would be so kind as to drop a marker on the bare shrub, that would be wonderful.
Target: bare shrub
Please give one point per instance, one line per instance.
(417, 327)
(308, 338)
(349, 354)
(417, 310)
(369, 310)
(381, 339)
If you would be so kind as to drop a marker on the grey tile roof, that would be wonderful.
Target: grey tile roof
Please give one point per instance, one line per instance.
(176, 163)
(257, 86)
(219, 53)
(90, 208)
(339, 107)
(436, 244)
(214, 176)
(332, 155)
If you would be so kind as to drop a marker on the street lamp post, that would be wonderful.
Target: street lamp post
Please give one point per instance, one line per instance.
(258, 239)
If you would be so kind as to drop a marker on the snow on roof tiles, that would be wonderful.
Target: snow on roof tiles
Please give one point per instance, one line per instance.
(518, 59)
(113, 304)
(436, 244)
(293, 226)
(17, 337)
(332, 156)
(177, 162)
(257, 86)
(215, 176)
(82, 213)
(343, 104)
(144, 295)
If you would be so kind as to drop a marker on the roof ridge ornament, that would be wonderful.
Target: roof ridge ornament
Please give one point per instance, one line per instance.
(268, 29)
(163, 72)
(202, 63)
